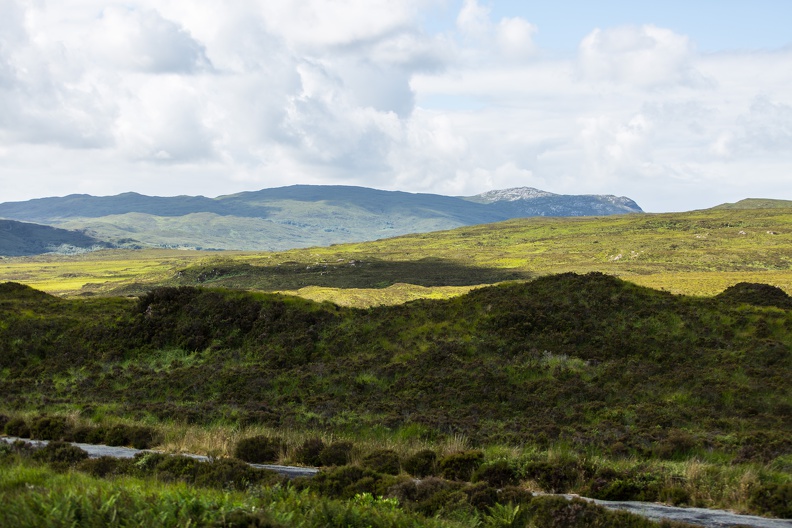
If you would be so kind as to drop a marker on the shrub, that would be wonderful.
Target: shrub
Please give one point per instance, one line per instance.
(308, 453)
(117, 435)
(142, 437)
(259, 449)
(481, 496)
(146, 463)
(104, 466)
(514, 495)
(60, 452)
(345, 482)
(383, 461)
(336, 454)
(17, 427)
(558, 512)
(421, 464)
(435, 495)
(497, 474)
(172, 468)
(49, 428)
(3, 421)
(609, 484)
(231, 473)
(460, 466)
(775, 499)
(557, 477)
(86, 434)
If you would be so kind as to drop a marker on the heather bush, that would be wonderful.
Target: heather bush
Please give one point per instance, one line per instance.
(60, 453)
(382, 461)
(259, 449)
(497, 474)
(336, 454)
(421, 464)
(773, 498)
(105, 466)
(460, 466)
(49, 428)
(309, 452)
(17, 427)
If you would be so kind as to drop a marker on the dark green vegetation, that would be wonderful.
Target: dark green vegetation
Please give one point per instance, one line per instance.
(180, 491)
(22, 238)
(373, 273)
(589, 360)
(289, 217)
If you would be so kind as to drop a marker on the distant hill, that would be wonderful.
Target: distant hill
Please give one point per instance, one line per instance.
(295, 216)
(22, 239)
(756, 203)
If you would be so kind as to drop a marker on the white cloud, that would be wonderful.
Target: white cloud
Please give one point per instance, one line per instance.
(473, 20)
(490, 42)
(764, 128)
(645, 56)
(612, 148)
(179, 96)
(142, 40)
(515, 37)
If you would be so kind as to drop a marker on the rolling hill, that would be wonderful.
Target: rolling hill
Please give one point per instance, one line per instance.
(295, 216)
(23, 238)
(757, 203)
(695, 253)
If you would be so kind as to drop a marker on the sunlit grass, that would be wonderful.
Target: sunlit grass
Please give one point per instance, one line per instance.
(694, 253)
(34, 495)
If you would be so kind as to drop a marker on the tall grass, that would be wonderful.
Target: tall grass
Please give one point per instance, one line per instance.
(36, 496)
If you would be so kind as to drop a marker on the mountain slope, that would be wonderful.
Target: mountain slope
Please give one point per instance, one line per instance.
(295, 216)
(757, 203)
(22, 239)
(527, 201)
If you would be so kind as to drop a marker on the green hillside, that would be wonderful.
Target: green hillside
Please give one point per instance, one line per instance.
(568, 382)
(694, 253)
(23, 238)
(588, 359)
(757, 203)
(701, 252)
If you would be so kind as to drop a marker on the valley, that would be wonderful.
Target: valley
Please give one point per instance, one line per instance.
(629, 357)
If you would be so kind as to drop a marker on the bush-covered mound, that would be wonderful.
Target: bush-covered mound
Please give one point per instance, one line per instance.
(586, 359)
(757, 295)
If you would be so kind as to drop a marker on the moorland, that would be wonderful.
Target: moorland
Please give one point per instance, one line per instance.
(641, 357)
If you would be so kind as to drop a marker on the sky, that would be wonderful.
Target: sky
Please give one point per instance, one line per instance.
(678, 105)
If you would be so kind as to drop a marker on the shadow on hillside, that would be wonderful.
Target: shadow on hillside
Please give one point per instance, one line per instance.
(347, 274)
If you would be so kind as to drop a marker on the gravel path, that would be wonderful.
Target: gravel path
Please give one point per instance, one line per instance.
(657, 512)
(696, 516)
(96, 451)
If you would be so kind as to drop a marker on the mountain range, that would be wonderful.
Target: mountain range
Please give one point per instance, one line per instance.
(276, 219)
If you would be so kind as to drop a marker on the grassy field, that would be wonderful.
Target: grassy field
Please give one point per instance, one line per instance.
(581, 383)
(694, 253)
(69, 275)
(576, 382)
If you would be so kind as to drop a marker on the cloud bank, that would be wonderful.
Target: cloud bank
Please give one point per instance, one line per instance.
(191, 97)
